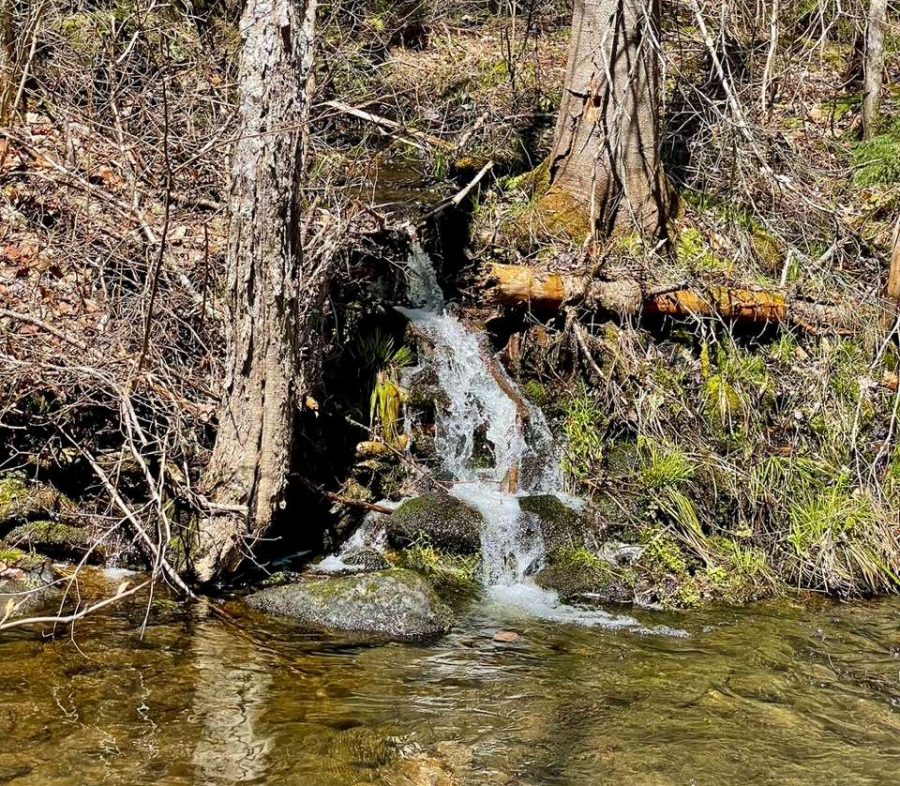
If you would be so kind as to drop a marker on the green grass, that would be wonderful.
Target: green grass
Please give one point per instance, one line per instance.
(877, 160)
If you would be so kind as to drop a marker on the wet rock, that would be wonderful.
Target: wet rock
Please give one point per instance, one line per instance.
(21, 501)
(616, 553)
(55, 539)
(395, 604)
(25, 579)
(365, 560)
(582, 576)
(561, 526)
(506, 637)
(441, 520)
(358, 560)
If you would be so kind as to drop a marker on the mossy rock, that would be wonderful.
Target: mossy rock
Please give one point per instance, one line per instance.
(27, 580)
(579, 575)
(438, 519)
(562, 528)
(56, 540)
(21, 501)
(392, 604)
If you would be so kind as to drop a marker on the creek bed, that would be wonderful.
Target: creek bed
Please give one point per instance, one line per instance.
(774, 694)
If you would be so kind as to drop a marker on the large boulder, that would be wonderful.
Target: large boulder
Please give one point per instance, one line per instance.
(395, 604)
(441, 520)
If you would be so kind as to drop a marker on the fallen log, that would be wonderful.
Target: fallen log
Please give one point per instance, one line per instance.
(514, 285)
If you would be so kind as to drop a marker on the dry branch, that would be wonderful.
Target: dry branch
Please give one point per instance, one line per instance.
(513, 285)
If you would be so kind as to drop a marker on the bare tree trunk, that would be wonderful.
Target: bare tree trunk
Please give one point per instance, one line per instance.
(893, 287)
(276, 294)
(8, 65)
(874, 67)
(605, 161)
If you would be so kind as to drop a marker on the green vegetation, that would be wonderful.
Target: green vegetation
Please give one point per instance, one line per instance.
(877, 160)
(583, 425)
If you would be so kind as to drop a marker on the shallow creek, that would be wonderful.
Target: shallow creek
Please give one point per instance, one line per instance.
(774, 694)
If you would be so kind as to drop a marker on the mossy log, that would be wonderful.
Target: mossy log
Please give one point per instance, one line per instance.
(513, 285)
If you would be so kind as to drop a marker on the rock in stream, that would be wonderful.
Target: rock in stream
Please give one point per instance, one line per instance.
(394, 604)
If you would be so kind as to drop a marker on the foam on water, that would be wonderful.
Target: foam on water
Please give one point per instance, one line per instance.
(483, 440)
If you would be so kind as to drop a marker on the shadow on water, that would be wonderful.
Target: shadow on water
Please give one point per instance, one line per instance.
(778, 693)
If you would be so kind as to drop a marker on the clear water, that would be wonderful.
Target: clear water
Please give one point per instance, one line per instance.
(787, 694)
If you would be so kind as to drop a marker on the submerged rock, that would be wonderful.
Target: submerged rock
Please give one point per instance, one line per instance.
(443, 521)
(25, 579)
(396, 604)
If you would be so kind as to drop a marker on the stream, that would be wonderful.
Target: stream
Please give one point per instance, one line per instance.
(525, 691)
(781, 693)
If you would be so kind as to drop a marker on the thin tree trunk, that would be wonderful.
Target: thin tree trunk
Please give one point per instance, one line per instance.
(276, 296)
(8, 66)
(893, 287)
(605, 162)
(874, 66)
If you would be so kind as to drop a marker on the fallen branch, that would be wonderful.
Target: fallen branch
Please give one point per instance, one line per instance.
(513, 285)
(357, 503)
(457, 199)
(393, 125)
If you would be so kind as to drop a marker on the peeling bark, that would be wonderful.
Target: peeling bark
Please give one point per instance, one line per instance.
(276, 291)
(514, 285)
(605, 162)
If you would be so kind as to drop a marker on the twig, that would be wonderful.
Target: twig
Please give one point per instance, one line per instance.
(457, 199)
(385, 122)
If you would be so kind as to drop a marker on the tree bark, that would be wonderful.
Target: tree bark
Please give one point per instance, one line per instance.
(874, 66)
(273, 352)
(893, 287)
(605, 162)
(515, 285)
(8, 64)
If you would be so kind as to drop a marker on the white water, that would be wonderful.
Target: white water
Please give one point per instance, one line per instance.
(482, 442)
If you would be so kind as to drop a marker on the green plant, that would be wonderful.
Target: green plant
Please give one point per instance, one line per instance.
(584, 427)
(664, 464)
(378, 353)
(877, 160)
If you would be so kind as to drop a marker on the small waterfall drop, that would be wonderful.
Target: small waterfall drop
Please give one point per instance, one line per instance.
(495, 446)
(491, 445)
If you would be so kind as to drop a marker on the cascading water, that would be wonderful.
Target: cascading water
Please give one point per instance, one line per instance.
(481, 400)
(522, 451)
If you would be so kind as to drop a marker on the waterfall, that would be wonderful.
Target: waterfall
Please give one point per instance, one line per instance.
(484, 440)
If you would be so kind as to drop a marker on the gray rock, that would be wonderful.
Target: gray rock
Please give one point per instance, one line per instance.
(442, 520)
(616, 553)
(395, 604)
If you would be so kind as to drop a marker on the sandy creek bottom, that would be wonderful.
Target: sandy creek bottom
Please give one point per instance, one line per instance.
(774, 694)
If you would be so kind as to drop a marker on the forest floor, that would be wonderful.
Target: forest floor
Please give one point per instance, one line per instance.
(745, 459)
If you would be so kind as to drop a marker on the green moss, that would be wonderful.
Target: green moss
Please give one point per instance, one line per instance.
(536, 392)
(877, 160)
(694, 252)
(576, 573)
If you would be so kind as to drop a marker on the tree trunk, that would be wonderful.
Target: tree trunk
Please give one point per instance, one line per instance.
(276, 295)
(605, 162)
(8, 69)
(893, 287)
(874, 66)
